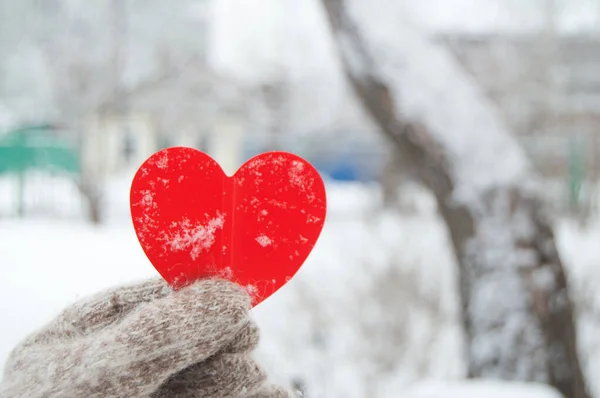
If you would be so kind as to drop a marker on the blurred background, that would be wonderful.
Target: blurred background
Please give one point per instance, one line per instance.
(88, 90)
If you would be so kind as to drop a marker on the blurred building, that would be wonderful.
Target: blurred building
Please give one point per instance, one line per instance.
(194, 107)
(543, 85)
(547, 87)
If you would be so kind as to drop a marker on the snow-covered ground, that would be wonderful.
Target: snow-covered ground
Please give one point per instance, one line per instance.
(373, 312)
(479, 389)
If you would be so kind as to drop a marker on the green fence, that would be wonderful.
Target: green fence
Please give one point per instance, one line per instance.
(36, 148)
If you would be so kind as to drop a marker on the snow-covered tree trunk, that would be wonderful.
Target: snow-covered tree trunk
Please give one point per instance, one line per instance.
(517, 313)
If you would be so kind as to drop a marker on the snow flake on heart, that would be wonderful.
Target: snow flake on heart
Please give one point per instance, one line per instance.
(264, 240)
(184, 235)
(147, 199)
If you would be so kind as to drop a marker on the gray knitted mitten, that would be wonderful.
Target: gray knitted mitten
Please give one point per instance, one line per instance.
(144, 340)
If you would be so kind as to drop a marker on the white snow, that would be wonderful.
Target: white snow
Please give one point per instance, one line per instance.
(162, 162)
(264, 240)
(184, 235)
(481, 389)
(301, 179)
(148, 199)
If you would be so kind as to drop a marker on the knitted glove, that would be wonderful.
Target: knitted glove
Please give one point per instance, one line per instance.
(144, 340)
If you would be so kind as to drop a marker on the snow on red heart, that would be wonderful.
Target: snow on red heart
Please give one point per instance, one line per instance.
(255, 228)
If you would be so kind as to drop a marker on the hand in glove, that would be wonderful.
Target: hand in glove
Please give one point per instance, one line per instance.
(144, 340)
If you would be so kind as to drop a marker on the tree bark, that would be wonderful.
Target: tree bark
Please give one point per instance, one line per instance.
(90, 189)
(517, 314)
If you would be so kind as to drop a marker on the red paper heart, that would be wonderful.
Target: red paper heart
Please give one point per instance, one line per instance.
(255, 228)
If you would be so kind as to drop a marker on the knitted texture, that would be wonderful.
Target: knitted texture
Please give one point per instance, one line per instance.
(144, 340)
